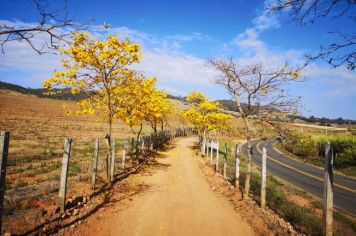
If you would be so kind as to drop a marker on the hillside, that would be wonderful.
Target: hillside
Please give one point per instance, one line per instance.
(66, 94)
(228, 105)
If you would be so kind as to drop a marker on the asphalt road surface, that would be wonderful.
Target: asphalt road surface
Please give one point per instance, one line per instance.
(304, 176)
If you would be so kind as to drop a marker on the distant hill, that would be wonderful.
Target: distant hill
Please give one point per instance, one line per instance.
(231, 106)
(326, 121)
(180, 98)
(226, 104)
(66, 95)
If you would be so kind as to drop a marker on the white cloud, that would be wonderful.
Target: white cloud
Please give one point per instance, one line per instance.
(162, 58)
(20, 58)
(172, 91)
(339, 83)
(179, 72)
(249, 42)
(266, 21)
(256, 51)
(176, 68)
(189, 37)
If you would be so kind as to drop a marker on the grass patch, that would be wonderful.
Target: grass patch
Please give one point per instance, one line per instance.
(300, 217)
(74, 168)
(28, 159)
(344, 225)
(46, 169)
(275, 181)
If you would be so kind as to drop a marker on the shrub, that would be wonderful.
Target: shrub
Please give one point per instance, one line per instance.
(311, 146)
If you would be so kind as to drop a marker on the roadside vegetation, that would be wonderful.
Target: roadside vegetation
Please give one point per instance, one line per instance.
(310, 148)
(303, 211)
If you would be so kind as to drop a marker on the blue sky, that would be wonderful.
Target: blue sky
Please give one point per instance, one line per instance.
(179, 36)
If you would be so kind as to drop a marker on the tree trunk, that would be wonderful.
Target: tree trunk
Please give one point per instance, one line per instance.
(162, 125)
(248, 172)
(139, 132)
(138, 144)
(154, 126)
(109, 127)
(204, 143)
(108, 142)
(249, 146)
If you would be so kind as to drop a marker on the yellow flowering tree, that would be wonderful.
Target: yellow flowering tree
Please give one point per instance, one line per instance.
(133, 99)
(204, 114)
(140, 101)
(98, 68)
(159, 109)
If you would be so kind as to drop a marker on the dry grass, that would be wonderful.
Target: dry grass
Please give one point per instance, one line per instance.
(319, 127)
(38, 127)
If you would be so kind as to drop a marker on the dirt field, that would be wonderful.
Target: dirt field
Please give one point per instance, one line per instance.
(37, 128)
(318, 127)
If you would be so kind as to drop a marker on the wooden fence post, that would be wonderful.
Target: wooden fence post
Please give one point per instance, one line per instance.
(137, 151)
(211, 152)
(225, 162)
(132, 148)
(124, 156)
(143, 149)
(328, 192)
(113, 155)
(152, 142)
(4, 152)
(148, 141)
(107, 161)
(217, 157)
(202, 150)
(204, 146)
(237, 166)
(263, 178)
(64, 173)
(207, 149)
(205, 143)
(95, 162)
(201, 145)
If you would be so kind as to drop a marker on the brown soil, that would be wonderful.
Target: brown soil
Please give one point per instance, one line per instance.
(177, 200)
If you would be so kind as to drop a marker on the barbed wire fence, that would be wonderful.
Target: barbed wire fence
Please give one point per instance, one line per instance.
(47, 172)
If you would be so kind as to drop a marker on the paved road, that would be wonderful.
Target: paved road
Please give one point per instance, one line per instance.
(306, 177)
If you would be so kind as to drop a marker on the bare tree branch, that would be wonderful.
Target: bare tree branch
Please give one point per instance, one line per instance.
(262, 91)
(54, 24)
(336, 54)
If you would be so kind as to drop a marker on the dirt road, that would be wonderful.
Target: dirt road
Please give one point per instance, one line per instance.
(178, 202)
